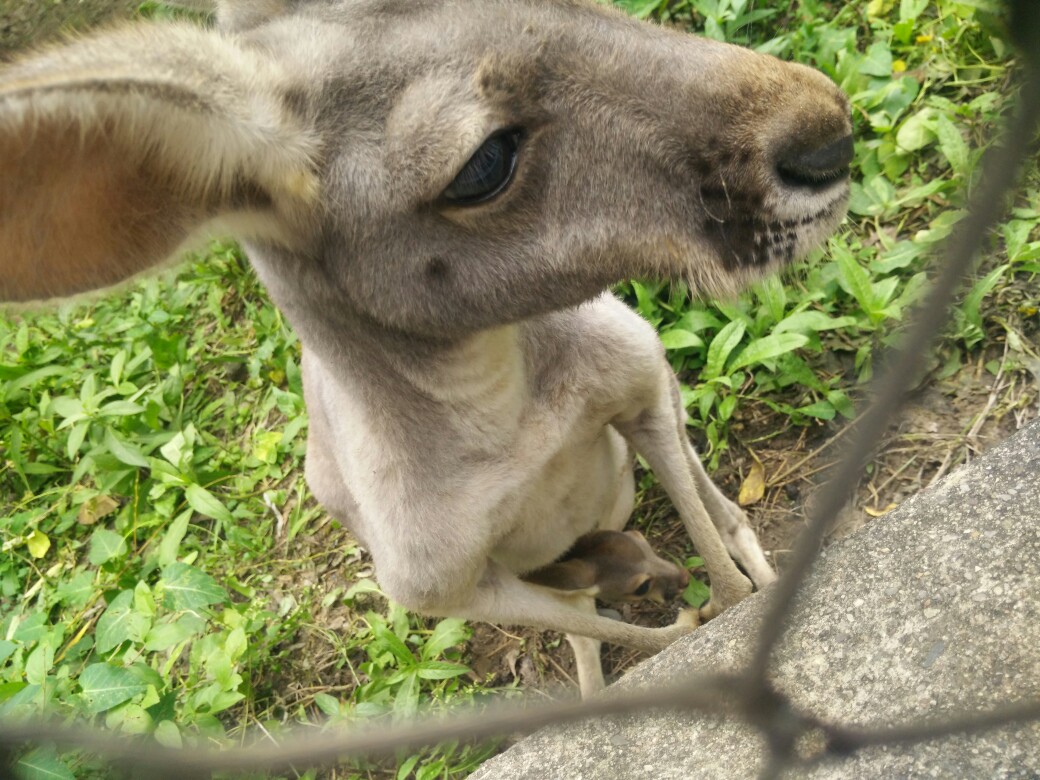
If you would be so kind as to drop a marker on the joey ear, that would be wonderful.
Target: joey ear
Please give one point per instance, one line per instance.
(120, 149)
(575, 574)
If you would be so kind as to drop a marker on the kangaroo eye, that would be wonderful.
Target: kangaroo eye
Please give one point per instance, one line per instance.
(488, 172)
(643, 589)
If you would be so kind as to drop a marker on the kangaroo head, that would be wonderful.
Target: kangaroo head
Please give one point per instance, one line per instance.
(613, 566)
(430, 167)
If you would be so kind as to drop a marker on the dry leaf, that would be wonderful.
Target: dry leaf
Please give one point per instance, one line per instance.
(875, 512)
(754, 486)
(93, 509)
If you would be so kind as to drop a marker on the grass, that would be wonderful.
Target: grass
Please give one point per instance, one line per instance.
(165, 570)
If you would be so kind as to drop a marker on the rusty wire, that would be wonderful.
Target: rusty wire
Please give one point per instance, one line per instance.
(748, 695)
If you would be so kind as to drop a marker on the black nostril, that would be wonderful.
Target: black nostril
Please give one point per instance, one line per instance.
(818, 166)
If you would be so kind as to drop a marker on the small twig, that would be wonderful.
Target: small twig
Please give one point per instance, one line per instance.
(778, 479)
(991, 400)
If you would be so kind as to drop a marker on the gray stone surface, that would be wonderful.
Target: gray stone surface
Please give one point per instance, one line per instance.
(932, 609)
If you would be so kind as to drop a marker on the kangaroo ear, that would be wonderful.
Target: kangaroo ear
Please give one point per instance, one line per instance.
(571, 575)
(118, 150)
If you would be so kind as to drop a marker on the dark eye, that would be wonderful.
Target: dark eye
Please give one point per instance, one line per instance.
(487, 172)
(643, 589)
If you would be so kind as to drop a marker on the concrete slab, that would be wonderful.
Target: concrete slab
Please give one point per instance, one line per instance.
(932, 609)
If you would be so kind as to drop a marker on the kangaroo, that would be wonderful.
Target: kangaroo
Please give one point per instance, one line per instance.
(437, 194)
(613, 566)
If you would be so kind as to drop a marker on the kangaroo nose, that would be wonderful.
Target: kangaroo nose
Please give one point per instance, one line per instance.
(817, 166)
(680, 585)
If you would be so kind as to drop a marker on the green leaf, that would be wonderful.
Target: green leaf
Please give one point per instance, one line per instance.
(42, 764)
(1016, 236)
(909, 10)
(189, 588)
(7, 648)
(812, 322)
(840, 401)
(973, 300)
(129, 719)
(106, 545)
(38, 543)
(360, 587)
(178, 450)
(918, 131)
(406, 702)
(952, 145)
(144, 601)
(76, 437)
(166, 635)
(696, 593)
(39, 663)
(680, 339)
(640, 8)
(855, 279)
(265, 447)
(225, 699)
(115, 370)
(447, 633)
(821, 410)
(236, 644)
(901, 255)
(121, 622)
(877, 61)
(32, 629)
(725, 341)
(171, 541)
(35, 377)
(399, 649)
(327, 704)
(440, 670)
(124, 452)
(120, 409)
(205, 503)
(767, 348)
(168, 735)
(646, 302)
(697, 320)
(66, 406)
(773, 296)
(726, 407)
(106, 686)
(404, 771)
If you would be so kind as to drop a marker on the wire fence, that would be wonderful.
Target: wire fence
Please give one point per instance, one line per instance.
(749, 694)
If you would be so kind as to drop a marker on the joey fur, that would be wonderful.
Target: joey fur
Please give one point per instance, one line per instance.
(613, 566)
(474, 395)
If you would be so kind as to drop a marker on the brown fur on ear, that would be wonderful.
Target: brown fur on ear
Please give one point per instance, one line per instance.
(116, 153)
(107, 215)
(572, 575)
